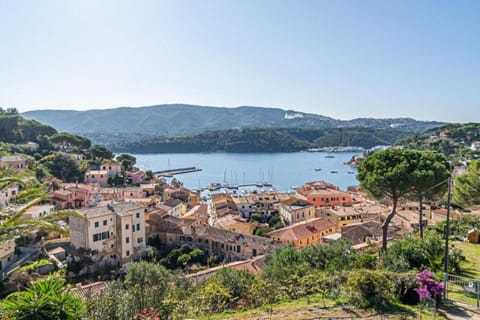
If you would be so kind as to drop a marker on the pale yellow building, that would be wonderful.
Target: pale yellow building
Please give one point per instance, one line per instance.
(294, 210)
(116, 230)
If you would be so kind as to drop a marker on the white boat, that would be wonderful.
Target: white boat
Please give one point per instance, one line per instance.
(214, 186)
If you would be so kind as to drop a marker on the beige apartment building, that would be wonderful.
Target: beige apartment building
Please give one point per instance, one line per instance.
(115, 231)
(97, 176)
(294, 210)
(113, 168)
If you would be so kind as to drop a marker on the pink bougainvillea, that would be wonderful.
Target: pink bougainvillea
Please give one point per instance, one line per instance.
(427, 287)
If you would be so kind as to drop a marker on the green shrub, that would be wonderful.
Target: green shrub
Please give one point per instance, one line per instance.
(370, 289)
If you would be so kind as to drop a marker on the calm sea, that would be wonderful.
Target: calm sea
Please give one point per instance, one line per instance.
(283, 170)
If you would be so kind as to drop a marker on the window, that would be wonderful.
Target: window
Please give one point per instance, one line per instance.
(238, 248)
(133, 228)
(104, 222)
(127, 239)
(126, 226)
(138, 226)
(140, 240)
(96, 225)
(128, 253)
(138, 215)
(254, 252)
(101, 236)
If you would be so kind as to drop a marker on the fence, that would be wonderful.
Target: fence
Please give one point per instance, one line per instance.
(461, 289)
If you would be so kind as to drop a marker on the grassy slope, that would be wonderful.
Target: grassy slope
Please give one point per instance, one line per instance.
(313, 307)
(471, 266)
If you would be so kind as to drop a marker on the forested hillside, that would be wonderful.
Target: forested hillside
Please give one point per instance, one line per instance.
(16, 129)
(454, 140)
(264, 140)
(125, 124)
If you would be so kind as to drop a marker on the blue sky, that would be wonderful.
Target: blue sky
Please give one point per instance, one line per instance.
(338, 58)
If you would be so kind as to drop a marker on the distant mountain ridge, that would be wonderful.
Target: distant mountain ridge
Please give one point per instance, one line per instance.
(183, 120)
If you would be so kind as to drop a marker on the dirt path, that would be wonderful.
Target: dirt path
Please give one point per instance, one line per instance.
(457, 311)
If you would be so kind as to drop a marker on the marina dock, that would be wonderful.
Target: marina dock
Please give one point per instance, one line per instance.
(172, 172)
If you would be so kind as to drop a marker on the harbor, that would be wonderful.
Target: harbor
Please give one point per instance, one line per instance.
(224, 172)
(171, 172)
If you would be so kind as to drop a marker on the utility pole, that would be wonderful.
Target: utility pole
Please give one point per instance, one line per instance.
(447, 235)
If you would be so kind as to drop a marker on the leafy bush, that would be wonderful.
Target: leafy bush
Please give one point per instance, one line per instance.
(370, 289)
(45, 299)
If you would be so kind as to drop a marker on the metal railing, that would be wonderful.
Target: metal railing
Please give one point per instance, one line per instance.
(461, 289)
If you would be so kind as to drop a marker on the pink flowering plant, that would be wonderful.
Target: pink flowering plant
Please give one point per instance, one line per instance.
(427, 287)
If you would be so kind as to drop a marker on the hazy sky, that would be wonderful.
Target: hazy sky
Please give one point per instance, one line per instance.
(339, 58)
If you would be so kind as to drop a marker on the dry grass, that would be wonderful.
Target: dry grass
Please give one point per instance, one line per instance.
(313, 307)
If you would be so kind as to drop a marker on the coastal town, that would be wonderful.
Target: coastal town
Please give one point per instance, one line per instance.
(119, 214)
(231, 160)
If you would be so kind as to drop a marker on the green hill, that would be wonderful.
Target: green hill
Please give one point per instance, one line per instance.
(454, 140)
(107, 125)
(16, 129)
(264, 140)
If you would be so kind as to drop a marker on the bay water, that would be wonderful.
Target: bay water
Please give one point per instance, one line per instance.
(282, 170)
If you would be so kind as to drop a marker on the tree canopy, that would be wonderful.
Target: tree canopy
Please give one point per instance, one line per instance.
(127, 161)
(467, 185)
(100, 152)
(70, 140)
(396, 173)
(62, 167)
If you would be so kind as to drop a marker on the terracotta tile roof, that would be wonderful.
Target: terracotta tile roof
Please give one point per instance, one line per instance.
(322, 192)
(62, 192)
(303, 229)
(254, 265)
(90, 291)
(200, 211)
(295, 202)
(12, 158)
(229, 219)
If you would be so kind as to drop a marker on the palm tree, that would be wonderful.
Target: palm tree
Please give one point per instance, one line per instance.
(45, 299)
(12, 223)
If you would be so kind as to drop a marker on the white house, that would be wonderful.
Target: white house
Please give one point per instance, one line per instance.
(475, 145)
(7, 194)
(39, 211)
